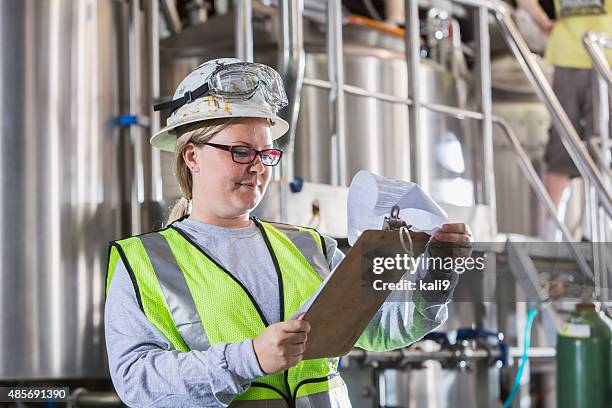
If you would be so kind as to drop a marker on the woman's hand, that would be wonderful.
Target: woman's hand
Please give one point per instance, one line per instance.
(452, 239)
(281, 345)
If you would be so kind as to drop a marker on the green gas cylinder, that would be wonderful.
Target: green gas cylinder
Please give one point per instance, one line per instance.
(584, 377)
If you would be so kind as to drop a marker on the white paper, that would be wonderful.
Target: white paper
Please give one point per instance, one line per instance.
(306, 306)
(371, 197)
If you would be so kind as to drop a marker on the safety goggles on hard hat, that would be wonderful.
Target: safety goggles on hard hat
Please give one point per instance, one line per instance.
(236, 82)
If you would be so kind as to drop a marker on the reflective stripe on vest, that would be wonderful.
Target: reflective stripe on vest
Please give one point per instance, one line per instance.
(178, 298)
(335, 397)
(191, 299)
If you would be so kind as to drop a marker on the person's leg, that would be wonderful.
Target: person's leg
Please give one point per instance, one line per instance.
(555, 184)
(559, 166)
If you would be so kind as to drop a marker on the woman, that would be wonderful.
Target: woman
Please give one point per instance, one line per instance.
(196, 313)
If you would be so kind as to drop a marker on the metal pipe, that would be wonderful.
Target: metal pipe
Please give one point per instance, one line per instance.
(318, 83)
(336, 96)
(597, 154)
(593, 211)
(453, 111)
(602, 125)
(594, 44)
(600, 228)
(483, 49)
(434, 107)
(605, 229)
(411, 356)
(533, 352)
(152, 22)
(221, 7)
(171, 15)
(357, 91)
(291, 67)
(523, 397)
(537, 185)
(135, 84)
(243, 30)
(412, 42)
(597, 222)
(292, 60)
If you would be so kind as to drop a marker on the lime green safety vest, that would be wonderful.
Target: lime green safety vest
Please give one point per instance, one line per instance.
(190, 298)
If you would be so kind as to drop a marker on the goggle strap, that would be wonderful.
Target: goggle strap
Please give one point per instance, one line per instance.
(185, 99)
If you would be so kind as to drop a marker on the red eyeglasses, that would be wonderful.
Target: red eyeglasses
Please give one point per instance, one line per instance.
(246, 155)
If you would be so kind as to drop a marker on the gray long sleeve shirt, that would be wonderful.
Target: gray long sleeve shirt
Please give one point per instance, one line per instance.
(148, 372)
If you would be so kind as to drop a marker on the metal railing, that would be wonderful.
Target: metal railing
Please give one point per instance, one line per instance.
(590, 172)
(522, 157)
(595, 43)
(570, 138)
(577, 151)
(585, 164)
(534, 181)
(601, 223)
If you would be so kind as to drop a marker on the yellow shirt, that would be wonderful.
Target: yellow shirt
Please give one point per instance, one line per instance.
(565, 47)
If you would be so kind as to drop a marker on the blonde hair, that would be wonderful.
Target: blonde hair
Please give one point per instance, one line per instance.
(199, 132)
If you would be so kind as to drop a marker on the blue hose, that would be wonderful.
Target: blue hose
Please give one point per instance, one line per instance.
(519, 374)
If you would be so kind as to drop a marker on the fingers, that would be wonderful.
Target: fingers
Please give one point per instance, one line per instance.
(287, 334)
(295, 350)
(456, 228)
(446, 237)
(292, 345)
(295, 326)
(453, 232)
(281, 345)
(296, 338)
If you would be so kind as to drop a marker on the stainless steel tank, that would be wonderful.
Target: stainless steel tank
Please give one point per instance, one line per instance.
(60, 196)
(377, 132)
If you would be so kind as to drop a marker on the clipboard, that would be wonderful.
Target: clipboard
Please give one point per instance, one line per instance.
(340, 313)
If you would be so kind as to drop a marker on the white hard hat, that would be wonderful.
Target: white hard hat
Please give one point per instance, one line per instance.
(263, 102)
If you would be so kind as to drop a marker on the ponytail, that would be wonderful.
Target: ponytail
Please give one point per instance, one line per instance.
(179, 210)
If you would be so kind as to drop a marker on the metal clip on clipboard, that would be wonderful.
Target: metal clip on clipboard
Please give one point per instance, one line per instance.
(393, 222)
